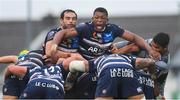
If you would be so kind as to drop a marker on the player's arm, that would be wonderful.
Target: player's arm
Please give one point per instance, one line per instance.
(20, 71)
(139, 41)
(65, 33)
(57, 54)
(9, 59)
(144, 62)
(125, 49)
(148, 63)
(48, 46)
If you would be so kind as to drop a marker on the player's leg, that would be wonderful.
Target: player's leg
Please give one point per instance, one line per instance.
(10, 88)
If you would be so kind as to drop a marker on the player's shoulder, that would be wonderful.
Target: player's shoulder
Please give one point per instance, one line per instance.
(38, 51)
(110, 25)
(53, 31)
(84, 24)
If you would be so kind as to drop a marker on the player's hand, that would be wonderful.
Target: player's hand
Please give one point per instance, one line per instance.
(47, 59)
(113, 49)
(155, 55)
(53, 48)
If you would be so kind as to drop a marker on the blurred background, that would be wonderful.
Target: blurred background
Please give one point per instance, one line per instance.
(24, 24)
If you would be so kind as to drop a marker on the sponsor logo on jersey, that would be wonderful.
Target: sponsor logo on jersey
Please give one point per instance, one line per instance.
(139, 90)
(108, 37)
(104, 91)
(50, 34)
(146, 81)
(71, 43)
(95, 49)
(121, 72)
(47, 85)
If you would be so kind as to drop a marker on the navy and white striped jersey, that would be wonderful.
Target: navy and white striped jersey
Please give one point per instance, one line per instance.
(94, 44)
(16, 85)
(32, 59)
(67, 45)
(113, 60)
(52, 73)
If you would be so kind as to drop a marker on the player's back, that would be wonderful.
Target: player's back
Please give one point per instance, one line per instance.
(53, 73)
(113, 60)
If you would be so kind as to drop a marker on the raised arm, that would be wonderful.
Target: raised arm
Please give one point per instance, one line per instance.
(129, 48)
(141, 43)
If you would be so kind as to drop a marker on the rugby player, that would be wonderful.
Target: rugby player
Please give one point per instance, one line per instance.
(160, 42)
(13, 86)
(13, 59)
(68, 46)
(45, 82)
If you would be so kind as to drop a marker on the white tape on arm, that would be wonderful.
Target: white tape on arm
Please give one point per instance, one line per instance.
(77, 65)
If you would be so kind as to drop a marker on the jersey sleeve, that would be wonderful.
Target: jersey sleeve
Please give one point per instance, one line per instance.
(50, 35)
(81, 28)
(121, 44)
(118, 30)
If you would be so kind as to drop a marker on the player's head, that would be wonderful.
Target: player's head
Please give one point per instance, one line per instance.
(100, 18)
(160, 42)
(68, 18)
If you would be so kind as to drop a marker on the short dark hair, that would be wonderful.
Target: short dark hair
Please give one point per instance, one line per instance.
(161, 39)
(101, 9)
(67, 10)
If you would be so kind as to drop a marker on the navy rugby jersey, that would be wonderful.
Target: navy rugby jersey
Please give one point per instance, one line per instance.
(67, 45)
(52, 73)
(94, 44)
